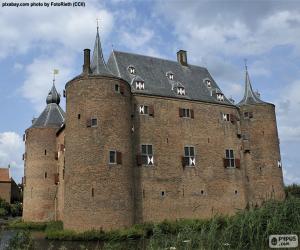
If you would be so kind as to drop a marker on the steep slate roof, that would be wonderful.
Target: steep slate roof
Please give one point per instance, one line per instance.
(153, 72)
(4, 175)
(53, 115)
(98, 65)
(249, 96)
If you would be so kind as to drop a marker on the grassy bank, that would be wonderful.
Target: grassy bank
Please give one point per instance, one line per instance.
(246, 230)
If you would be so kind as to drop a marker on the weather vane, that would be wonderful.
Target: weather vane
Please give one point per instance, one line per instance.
(55, 72)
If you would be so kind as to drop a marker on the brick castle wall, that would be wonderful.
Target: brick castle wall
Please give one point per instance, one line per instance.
(39, 170)
(97, 194)
(264, 177)
(189, 192)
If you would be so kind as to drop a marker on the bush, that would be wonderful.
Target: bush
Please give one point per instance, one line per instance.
(16, 209)
(3, 212)
(4, 208)
(21, 241)
(292, 190)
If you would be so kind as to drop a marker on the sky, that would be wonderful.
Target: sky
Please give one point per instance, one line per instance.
(218, 35)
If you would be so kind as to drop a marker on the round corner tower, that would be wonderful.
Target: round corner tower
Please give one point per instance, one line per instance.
(40, 162)
(261, 148)
(98, 157)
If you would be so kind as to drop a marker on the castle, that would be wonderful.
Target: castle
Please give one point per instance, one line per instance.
(148, 139)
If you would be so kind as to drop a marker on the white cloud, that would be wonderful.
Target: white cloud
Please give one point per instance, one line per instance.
(288, 108)
(138, 39)
(54, 37)
(39, 77)
(46, 28)
(11, 150)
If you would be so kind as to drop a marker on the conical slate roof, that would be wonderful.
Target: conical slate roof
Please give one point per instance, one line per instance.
(98, 65)
(249, 96)
(53, 115)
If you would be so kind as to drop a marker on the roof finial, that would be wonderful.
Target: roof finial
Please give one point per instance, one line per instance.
(245, 61)
(97, 19)
(55, 72)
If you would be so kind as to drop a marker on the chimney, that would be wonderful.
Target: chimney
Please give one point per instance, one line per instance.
(182, 58)
(87, 62)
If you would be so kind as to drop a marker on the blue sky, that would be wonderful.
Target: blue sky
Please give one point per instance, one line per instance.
(217, 35)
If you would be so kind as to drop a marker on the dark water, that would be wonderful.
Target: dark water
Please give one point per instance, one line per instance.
(40, 243)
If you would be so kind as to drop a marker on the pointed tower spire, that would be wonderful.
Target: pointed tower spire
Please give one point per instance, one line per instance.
(250, 97)
(98, 65)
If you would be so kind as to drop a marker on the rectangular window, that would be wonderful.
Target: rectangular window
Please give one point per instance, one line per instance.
(186, 113)
(94, 122)
(139, 85)
(143, 110)
(147, 154)
(220, 97)
(229, 159)
(189, 156)
(112, 157)
(117, 88)
(248, 115)
(115, 157)
(226, 117)
(180, 91)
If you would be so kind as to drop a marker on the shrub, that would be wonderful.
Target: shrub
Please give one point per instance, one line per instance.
(4, 207)
(21, 241)
(292, 190)
(16, 209)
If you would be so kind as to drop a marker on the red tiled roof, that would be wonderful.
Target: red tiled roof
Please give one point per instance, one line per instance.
(4, 174)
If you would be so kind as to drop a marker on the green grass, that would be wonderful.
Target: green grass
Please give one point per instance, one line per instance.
(245, 230)
(18, 224)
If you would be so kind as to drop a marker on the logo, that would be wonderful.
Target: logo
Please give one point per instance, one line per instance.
(283, 241)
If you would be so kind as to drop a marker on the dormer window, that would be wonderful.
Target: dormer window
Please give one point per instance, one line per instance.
(208, 83)
(180, 91)
(170, 75)
(220, 97)
(132, 70)
(139, 85)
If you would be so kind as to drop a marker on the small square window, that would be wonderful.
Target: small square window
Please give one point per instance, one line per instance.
(117, 88)
(112, 157)
(220, 97)
(180, 91)
(170, 75)
(94, 122)
(187, 113)
(246, 115)
(143, 110)
(208, 83)
(139, 85)
(131, 70)
(226, 117)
